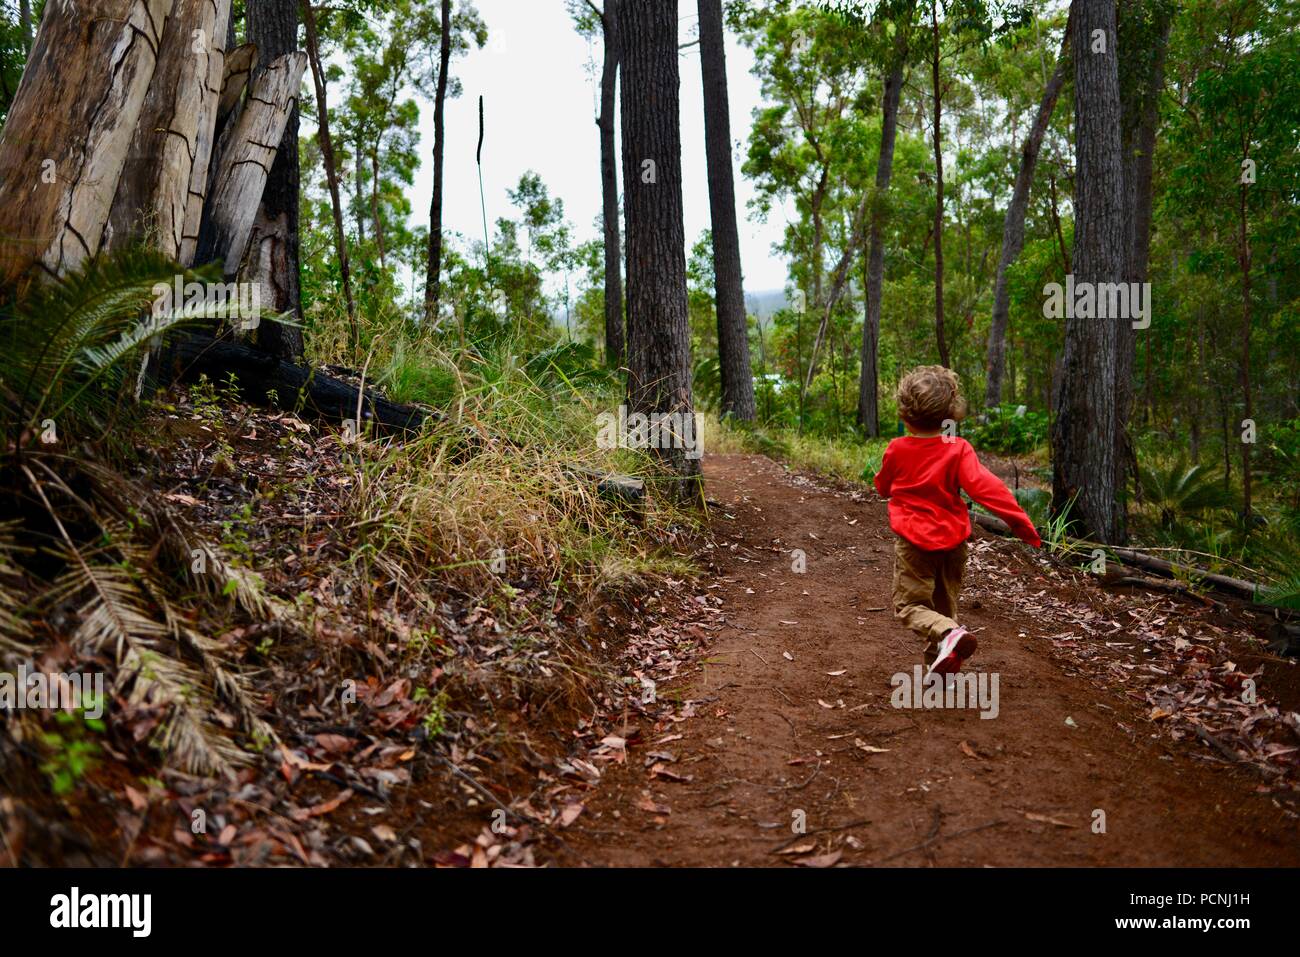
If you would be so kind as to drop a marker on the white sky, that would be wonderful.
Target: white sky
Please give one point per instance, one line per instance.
(540, 108)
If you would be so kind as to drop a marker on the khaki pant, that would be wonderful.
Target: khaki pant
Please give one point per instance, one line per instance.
(926, 588)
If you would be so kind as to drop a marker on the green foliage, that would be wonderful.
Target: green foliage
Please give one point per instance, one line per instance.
(1037, 503)
(1007, 430)
(1285, 594)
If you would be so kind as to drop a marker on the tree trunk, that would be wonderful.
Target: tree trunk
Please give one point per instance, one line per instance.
(874, 266)
(1013, 230)
(1244, 262)
(869, 372)
(241, 176)
(25, 22)
(659, 379)
(940, 338)
(1140, 109)
(376, 215)
(70, 128)
(1084, 439)
(733, 332)
(615, 340)
(237, 71)
(839, 277)
(173, 135)
(327, 158)
(359, 192)
(433, 272)
(273, 26)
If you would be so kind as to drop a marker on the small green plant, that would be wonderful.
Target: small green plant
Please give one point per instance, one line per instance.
(1285, 594)
(71, 754)
(435, 720)
(1055, 530)
(234, 532)
(203, 394)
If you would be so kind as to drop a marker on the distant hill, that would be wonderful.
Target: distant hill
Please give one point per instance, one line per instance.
(764, 302)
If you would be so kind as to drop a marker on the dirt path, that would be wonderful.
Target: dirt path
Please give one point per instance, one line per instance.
(762, 749)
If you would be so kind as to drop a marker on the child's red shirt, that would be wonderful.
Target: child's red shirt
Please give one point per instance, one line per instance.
(923, 478)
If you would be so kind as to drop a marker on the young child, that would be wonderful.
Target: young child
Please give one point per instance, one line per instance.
(923, 475)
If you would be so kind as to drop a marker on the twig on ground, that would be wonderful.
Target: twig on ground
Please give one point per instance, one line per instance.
(935, 837)
(821, 830)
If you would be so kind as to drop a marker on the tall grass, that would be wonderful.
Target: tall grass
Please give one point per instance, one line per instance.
(847, 459)
(500, 484)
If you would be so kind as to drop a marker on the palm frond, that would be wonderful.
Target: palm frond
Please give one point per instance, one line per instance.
(1180, 489)
(15, 632)
(65, 338)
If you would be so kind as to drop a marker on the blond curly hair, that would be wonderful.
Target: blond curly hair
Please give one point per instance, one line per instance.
(928, 396)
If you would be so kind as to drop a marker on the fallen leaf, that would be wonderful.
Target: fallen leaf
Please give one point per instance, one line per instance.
(304, 813)
(799, 848)
(138, 801)
(648, 804)
(335, 743)
(869, 748)
(659, 771)
(822, 860)
(1044, 819)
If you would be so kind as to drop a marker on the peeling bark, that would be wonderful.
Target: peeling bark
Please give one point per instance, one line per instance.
(173, 134)
(273, 26)
(69, 131)
(246, 162)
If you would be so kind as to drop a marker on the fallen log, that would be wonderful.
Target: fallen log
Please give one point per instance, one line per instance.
(264, 379)
(1224, 583)
(610, 485)
(1159, 584)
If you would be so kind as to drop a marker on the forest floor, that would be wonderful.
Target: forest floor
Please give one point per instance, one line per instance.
(785, 725)
(741, 716)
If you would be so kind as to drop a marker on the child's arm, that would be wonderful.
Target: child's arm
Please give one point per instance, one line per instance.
(885, 474)
(987, 489)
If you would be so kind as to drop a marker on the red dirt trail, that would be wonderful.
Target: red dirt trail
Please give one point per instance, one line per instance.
(763, 751)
